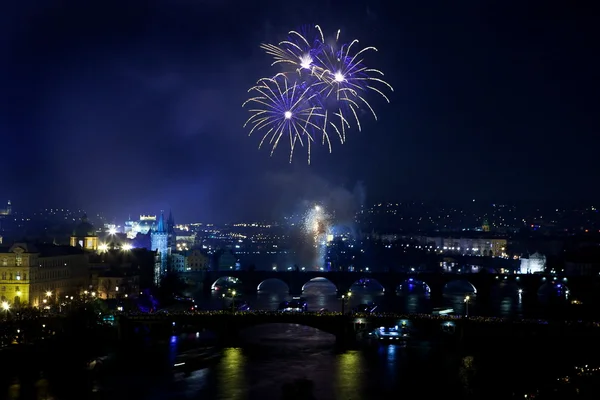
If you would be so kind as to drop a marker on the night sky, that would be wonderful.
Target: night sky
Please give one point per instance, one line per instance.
(127, 106)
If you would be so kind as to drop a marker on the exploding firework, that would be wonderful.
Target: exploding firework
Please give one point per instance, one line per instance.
(317, 226)
(287, 108)
(323, 88)
(342, 74)
(299, 50)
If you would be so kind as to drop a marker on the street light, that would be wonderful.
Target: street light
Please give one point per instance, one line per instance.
(6, 307)
(348, 295)
(467, 299)
(233, 292)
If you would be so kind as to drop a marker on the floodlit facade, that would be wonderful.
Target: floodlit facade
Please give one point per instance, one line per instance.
(38, 275)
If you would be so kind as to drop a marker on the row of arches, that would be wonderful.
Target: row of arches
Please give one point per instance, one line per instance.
(410, 285)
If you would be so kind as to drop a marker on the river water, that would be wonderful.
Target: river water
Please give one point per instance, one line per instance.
(284, 361)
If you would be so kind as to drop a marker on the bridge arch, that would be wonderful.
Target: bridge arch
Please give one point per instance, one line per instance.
(554, 288)
(321, 281)
(272, 282)
(412, 284)
(366, 282)
(225, 282)
(461, 285)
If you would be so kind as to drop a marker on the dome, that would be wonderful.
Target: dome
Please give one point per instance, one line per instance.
(84, 228)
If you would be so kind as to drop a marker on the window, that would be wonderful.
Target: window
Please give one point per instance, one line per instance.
(18, 276)
(4, 262)
(19, 260)
(24, 276)
(10, 276)
(3, 276)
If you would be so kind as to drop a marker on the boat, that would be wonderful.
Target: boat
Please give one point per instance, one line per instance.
(443, 311)
(297, 304)
(395, 333)
(195, 359)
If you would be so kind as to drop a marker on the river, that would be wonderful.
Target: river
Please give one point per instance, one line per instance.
(283, 361)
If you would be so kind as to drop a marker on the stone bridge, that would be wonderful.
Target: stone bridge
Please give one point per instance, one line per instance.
(482, 284)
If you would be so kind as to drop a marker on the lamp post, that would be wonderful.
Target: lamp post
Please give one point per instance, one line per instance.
(344, 296)
(233, 301)
(467, 299)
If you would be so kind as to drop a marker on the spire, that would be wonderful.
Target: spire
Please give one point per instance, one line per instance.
(161, 223)
(170, 221)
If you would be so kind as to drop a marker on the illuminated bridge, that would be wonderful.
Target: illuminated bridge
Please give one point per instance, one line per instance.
(228, 326)
(434, 283)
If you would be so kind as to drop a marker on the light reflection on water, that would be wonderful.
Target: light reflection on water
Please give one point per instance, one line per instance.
(350, 375)
(231, 373)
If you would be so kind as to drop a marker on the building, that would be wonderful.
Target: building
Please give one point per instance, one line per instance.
(143, 226)
(117, 285)
(162, 238)
(535, 264)
(478, 246)
(84, 235)
(178, 262)
(197, 261)
(42, 274)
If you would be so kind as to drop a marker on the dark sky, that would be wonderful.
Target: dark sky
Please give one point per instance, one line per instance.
(130, 106)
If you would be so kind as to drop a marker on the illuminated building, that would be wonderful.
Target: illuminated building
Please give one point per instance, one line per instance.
(482, 246)
(40, 275)
(485, 226)
(143, 225)
(536, 263)
(84, 235)
(162, 240)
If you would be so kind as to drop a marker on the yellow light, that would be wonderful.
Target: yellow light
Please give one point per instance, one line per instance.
(48, 293)
(5, 306)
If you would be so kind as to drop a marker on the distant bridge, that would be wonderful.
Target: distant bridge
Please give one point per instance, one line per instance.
(482, 283)
(227, 326)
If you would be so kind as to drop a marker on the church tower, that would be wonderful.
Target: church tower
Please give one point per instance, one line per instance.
(171, 239)
(485, 226)
(159, 238)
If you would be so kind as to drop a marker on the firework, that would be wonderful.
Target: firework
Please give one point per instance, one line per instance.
(317, 226)
(343, 75)
(285, 108)
(299, 50)
(322, 88)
